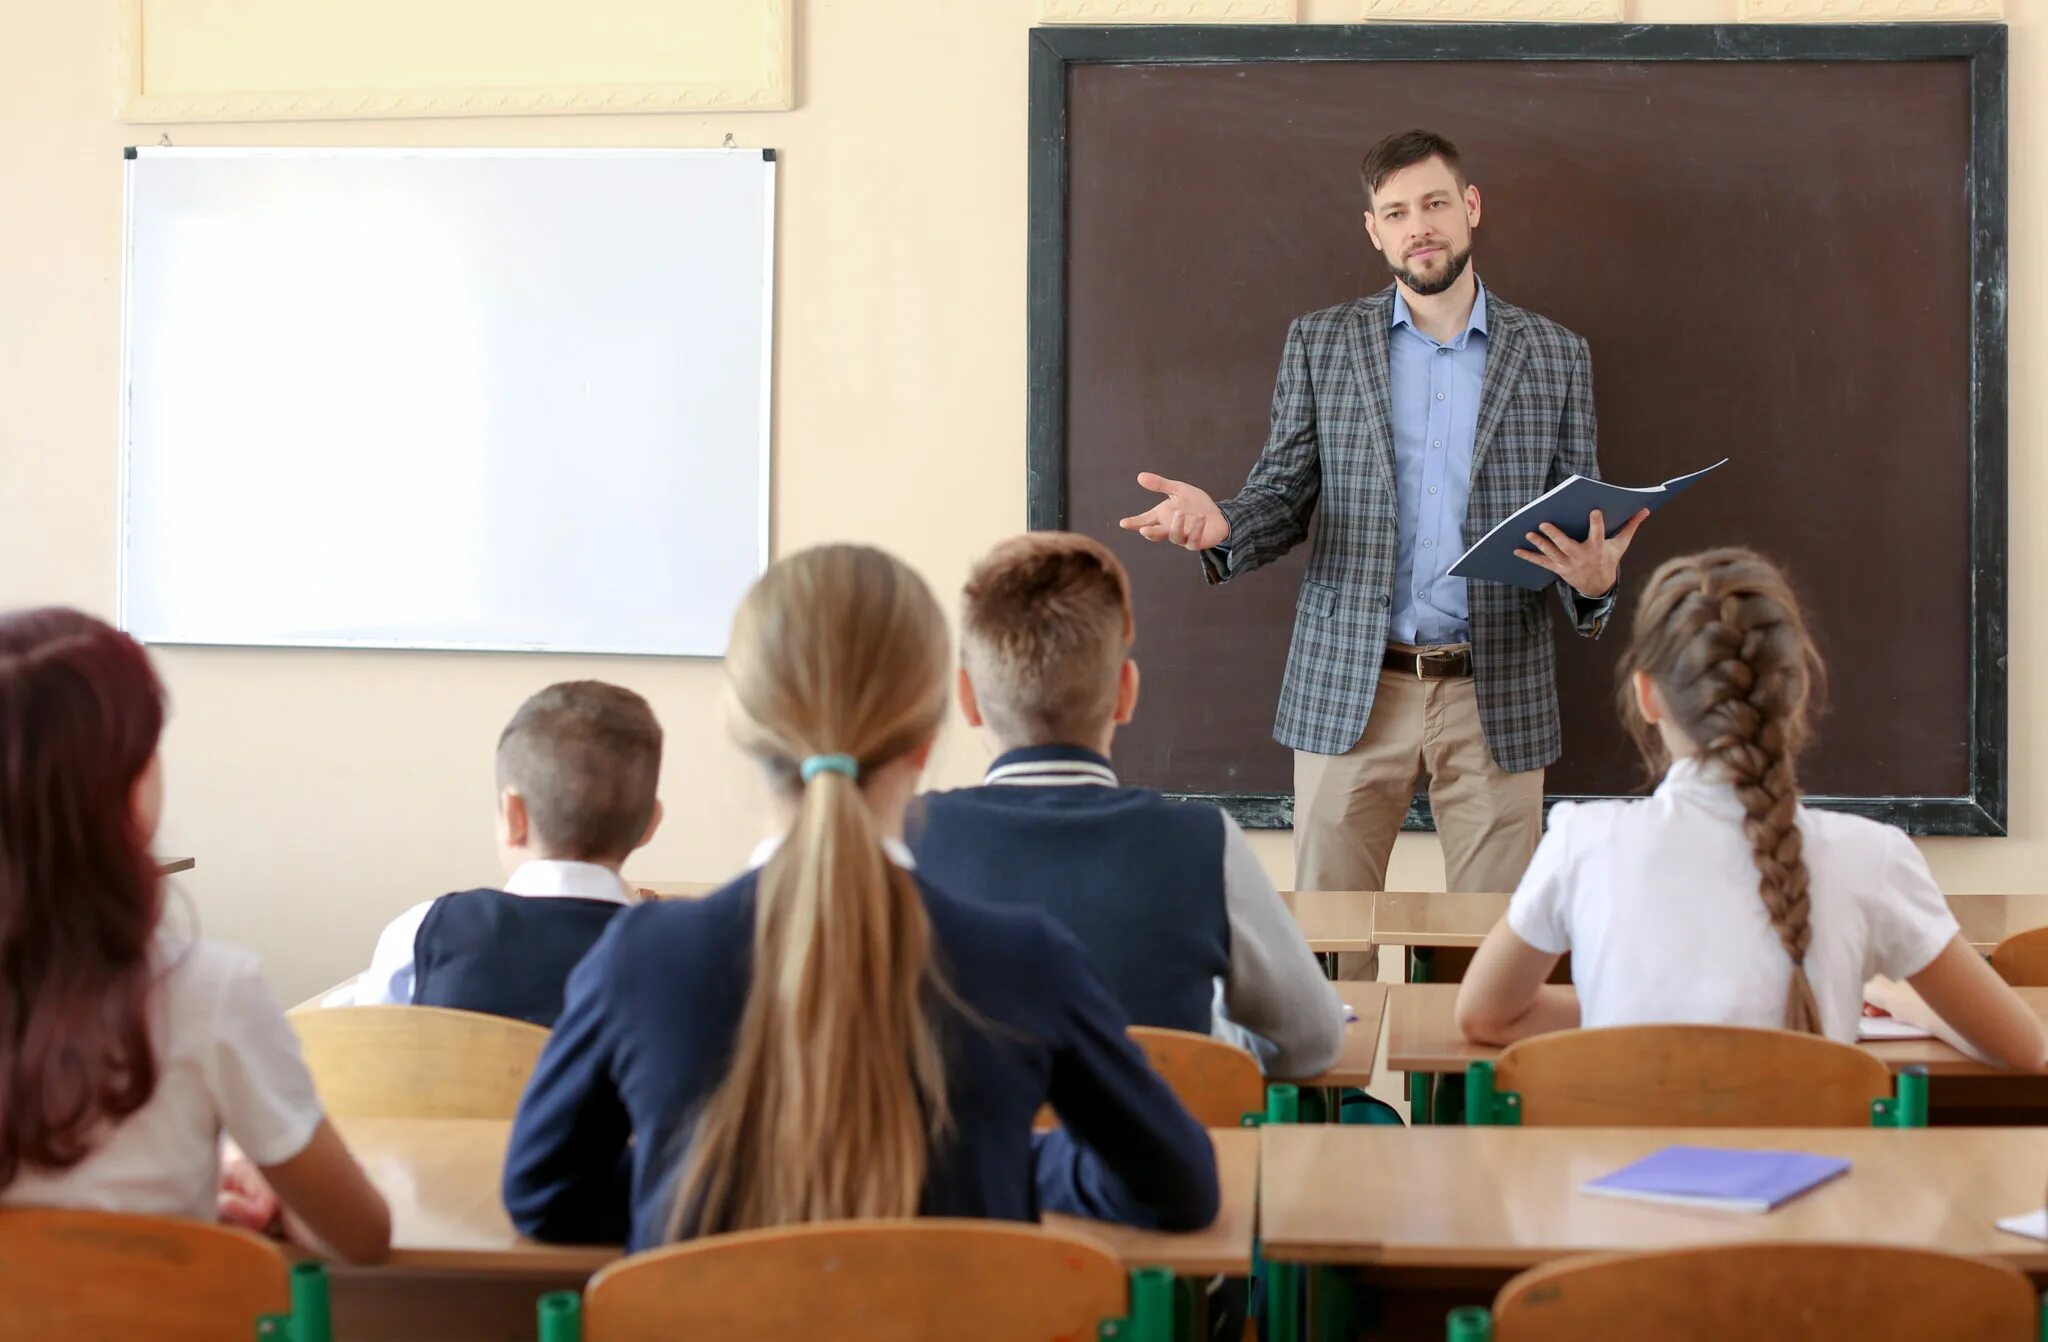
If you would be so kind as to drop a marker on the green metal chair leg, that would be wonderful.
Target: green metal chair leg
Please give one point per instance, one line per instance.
(1471, 1323)
(312, 1320)
(1421, 1086)
(1907, 1107)
(1330, 1306)
(561, 1317)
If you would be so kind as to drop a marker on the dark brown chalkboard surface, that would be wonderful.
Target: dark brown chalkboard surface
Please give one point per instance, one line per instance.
(1780, 260)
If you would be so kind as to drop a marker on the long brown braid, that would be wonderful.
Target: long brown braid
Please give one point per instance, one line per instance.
(1721, 635)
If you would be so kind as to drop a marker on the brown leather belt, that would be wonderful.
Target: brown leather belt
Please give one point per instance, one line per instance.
(1453, 665)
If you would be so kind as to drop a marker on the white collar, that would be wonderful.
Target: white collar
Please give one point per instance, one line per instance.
(1703, 780)
(1052, 773)
(554, 878)
(898, 852)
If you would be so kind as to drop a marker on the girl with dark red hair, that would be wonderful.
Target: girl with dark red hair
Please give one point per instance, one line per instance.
(128, 1049)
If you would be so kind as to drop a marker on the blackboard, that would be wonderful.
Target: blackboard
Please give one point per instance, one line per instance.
(1785, 246)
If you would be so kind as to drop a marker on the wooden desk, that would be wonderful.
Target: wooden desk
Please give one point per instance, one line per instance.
(673, 889)
(1333, 920)
(1368, 1001)
(1424, 918)
(1422, 1036)
(1427, 918)
(168, 866)
(441, 1177)
(1989, 919)
(1412, 1200)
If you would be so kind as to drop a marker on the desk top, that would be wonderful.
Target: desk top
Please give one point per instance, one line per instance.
(1435, 918)
(1504, 1199)
(1368, 1001)
(1422, 1036)
(441, 1177)
(166, 866)
(1333, 920)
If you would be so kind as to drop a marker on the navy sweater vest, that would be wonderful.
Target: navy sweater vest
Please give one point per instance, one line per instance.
(1136, 878)
(509, 955)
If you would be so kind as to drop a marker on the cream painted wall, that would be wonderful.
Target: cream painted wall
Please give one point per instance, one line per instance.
(323, 792)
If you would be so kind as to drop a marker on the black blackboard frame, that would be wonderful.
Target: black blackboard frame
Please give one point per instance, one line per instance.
(1983, 810)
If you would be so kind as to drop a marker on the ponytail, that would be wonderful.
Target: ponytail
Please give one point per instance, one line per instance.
(1722, 637)
(835, 1092)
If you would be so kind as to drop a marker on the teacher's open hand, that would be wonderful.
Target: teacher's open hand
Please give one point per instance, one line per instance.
(1187, 517)
(1588, 567)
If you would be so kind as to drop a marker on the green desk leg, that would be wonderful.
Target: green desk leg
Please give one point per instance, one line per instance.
(1190, 1310)
(1151, 1306)
(1330, 1306)
(1472, 1323)
(1907, 1108)
(1282, 1280)
(1421, 1088)
(1419, 960)
(561, 1317)
(311, 1319)
(1486, 1107)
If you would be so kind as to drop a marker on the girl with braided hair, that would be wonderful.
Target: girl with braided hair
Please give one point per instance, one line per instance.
(1720, 899)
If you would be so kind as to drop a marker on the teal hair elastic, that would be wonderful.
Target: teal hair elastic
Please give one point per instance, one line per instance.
(830, 764)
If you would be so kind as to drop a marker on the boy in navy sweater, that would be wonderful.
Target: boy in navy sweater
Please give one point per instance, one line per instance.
(1167, 897)
(577, 768)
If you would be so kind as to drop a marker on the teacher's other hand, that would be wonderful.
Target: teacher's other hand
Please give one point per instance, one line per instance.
(1187, 517)
(1588, 567)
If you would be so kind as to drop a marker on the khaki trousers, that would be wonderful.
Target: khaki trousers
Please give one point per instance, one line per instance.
(1349, 807)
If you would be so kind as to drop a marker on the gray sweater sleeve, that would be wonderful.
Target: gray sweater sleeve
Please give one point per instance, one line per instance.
(1275, 988)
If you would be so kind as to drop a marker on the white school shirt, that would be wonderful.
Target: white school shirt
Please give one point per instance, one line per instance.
(1657, 901)
(227, 1062)
(388, 980)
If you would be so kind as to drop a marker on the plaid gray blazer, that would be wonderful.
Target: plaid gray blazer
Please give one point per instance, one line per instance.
(1331, 450)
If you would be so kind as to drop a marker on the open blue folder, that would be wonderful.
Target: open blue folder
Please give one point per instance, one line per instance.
(1566, 507)
(1708, 1176)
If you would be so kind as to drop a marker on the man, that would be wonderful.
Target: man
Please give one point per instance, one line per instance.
(1415, 420)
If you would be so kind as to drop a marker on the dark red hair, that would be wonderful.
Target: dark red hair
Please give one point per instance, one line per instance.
(80, 899)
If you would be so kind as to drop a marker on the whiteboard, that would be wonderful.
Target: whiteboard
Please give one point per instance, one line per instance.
(445, 398)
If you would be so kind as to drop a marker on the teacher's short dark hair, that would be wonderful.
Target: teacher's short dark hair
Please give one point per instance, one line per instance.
(1405, 149)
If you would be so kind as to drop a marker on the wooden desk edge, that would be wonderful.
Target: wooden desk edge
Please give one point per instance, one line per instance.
(168, 866)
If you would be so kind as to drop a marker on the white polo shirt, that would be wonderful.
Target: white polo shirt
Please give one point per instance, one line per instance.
(227, 1062)
(1657, 901)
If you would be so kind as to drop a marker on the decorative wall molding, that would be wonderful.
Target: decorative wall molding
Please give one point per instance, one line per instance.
(1870, 11)
(286, 60)
(1167, 11)
(1496, 11)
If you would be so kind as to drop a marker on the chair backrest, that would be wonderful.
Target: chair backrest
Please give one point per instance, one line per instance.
(1707, 1076)
(1785, 1292)
(2022, 958)
(417, 1062)
(1219, 1083)
(111, 1277)
(862, 1281)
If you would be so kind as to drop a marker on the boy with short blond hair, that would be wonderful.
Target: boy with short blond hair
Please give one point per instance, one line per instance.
(1167, 896)
(577, 769)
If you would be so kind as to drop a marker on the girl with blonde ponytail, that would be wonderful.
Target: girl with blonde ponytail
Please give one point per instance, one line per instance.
(829, 1037)
(1720, 899)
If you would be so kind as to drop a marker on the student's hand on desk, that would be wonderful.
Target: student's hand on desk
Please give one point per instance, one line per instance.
(246, 1200)
(1588, 567)
(1188, 517)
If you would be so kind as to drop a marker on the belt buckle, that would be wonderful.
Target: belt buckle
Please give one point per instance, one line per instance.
(1420, 658)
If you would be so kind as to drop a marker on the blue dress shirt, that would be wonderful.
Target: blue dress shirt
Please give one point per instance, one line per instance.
(1434, 407)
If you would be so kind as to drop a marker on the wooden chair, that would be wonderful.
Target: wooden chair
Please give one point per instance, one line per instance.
(1705, 1076)
(1786, 1292)
(417, 1062)
(1219, 1083)
(2022, 959)
(111, 1277)
(862, 1281)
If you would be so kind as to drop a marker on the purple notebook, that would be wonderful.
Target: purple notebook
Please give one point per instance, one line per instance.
(1707, 1176)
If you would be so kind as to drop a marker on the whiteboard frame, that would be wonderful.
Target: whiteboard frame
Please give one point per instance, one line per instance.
(125, 446)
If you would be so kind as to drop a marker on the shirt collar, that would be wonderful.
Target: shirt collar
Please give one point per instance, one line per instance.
(1475, 322)
(1051, 766)
(895, 848)
(1700, 780)
(552, 878)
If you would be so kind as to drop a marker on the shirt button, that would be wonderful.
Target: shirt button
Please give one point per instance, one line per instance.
(1438, 443)
(1427, 543)
(1432, 489)
(1439, 396)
